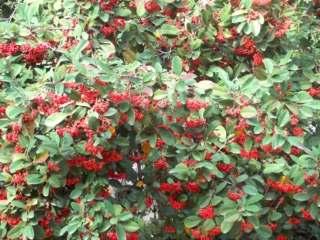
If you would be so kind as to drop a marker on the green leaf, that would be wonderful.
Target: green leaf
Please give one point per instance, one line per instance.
(232, 216)
(121, 234)
(109, 207)
(288, 12)
(80, 47)
(209, 224)
(206, 17)
(55, 118)
(255, 27)
(225, 13)
(249, 189)
(129, 56)
(167, 136)
(296, 141)
(130, 226)
(34, 179)
(28, 231)
(314, 210)
(13, 111)
(181, 86)
(192, 221)
(254, 221)
(131, 116)
(167, 29)
(105, 226)
(246, 3)
(39, 232)
(221, 73)
(72, 228)
(5, 159)
(93, 123)
(54, 182)
(104, 16)
(204, 201)
(4, 123)
(176, 65)
(272, 168)
(260, 74)
(268, 63)
(264, 231)
(302, 197)
(16, 165)
(110, 112)
(205, 84)
(284, 118)
(121, 141)
(76, 193)
(226, 226)
(123, 12)
(15, 232)
(125, 216)
(221, 131)
(275, 216)
(242, 178)
(277, 141)
(140, 8)
(41, 157)
(248, 112)
(313, 141)
(194, 45)
(159, 94)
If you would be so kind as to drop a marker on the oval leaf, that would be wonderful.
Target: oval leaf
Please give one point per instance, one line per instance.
(248, 112)
(54, 119)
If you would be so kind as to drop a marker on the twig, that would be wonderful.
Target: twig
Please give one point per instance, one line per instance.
(13, 13)
(10, 69)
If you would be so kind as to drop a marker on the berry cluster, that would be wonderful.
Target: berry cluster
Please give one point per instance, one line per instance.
(254, 153)
(214, 231)
(170, 187)
(207, 212)
(13, 136)
(196, 105)
(161, 163)
(225, 167)
(118, 97)
(169, 229)
(148, 202)
(195, 123)
(297, 131)
(152, 7)
(112, 174)
(137, 158)
(282, 29)
(235, 196)
(35, 54)
(306, 214)
(313, 92)
(284, 187)
(252, 15)
(176, 204)
(261, 2)
(257, 59)
(8, 49)
(193, 187)
(248, 48)
(113, 236)
(112, 156)
(246, 226)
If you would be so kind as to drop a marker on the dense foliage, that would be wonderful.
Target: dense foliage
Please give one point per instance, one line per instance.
(203, 113)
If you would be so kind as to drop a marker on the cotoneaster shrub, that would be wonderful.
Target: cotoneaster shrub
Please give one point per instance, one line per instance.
(203, 113)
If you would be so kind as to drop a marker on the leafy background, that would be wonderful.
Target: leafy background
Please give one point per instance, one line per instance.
(204, 114)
